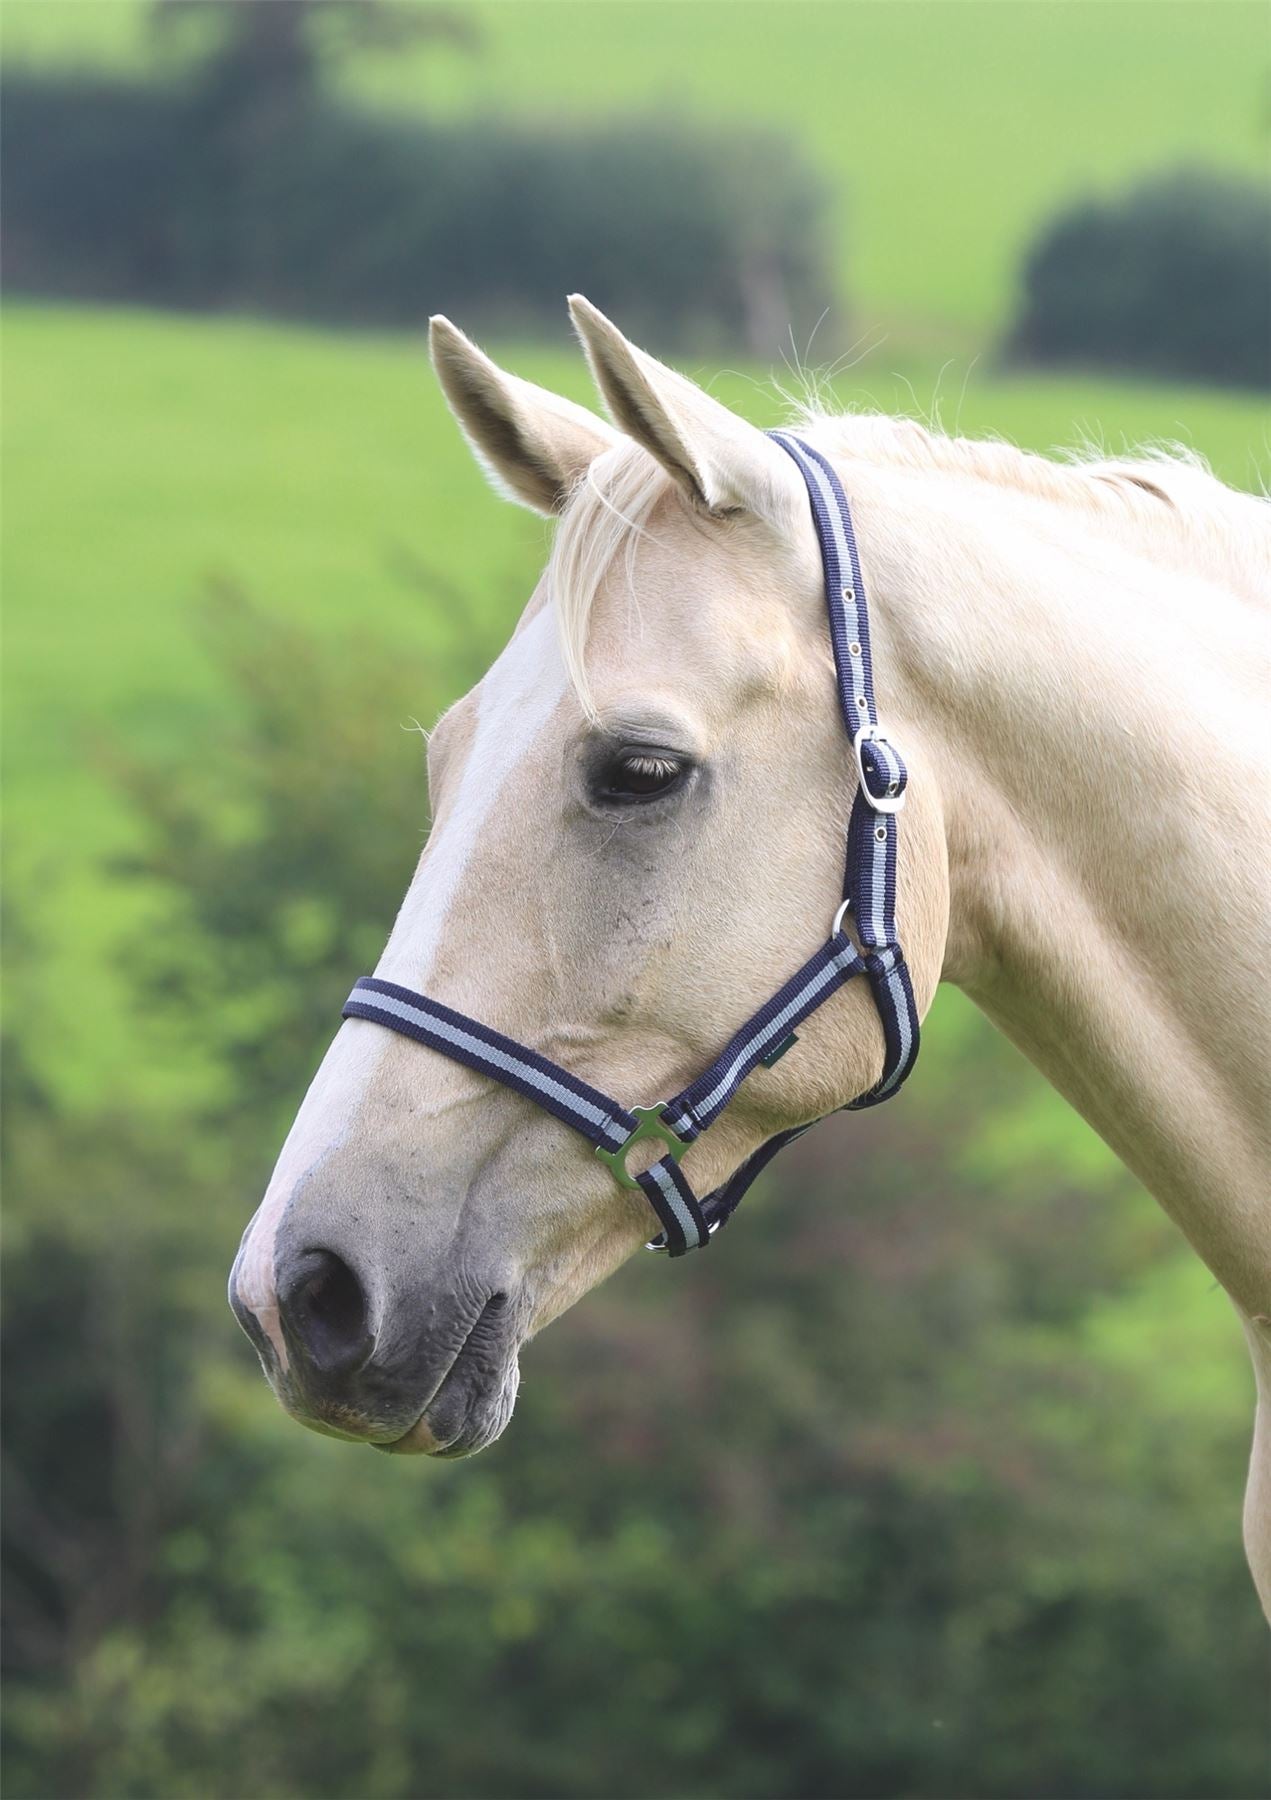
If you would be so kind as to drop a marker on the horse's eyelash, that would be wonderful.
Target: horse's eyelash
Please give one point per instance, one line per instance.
(658, 768)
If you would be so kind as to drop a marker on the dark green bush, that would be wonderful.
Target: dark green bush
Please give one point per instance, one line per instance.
(318, 211)
(90, 187)
(1173, 278)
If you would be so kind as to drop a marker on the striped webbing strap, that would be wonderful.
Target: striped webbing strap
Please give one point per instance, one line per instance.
(869, 879)
(869, 894)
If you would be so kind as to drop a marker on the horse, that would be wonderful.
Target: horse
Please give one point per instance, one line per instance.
(637, 835)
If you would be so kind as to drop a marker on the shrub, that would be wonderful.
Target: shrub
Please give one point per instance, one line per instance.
(90, 194)
(1172, 278)
(320, 211)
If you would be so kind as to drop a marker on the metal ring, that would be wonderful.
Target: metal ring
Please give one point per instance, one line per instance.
(650, 1123)
(661, 1249)
(839, 917)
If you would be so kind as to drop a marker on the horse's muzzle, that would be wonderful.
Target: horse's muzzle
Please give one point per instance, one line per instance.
(417, 1368)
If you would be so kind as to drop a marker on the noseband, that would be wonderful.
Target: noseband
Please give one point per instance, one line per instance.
(869, 895)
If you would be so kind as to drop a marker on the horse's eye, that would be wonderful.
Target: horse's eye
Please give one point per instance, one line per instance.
(634, 775)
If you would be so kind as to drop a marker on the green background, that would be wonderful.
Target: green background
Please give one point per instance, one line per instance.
(930, 1482)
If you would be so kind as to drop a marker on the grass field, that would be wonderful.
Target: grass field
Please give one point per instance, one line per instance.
(145, 456)
(944, 129)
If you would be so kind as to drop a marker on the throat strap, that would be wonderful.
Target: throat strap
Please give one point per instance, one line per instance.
(869, 896)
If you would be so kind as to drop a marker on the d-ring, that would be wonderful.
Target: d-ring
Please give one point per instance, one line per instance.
(838, 918)
(650, 1123)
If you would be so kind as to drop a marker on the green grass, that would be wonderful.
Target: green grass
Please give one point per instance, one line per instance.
(144, 455)
(945, 129)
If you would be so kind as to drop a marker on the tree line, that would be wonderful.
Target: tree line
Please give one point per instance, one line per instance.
(243, 181)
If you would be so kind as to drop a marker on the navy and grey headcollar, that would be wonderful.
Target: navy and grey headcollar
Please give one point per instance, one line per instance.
(869, 896)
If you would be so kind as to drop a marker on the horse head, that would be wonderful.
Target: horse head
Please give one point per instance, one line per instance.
(637, 835)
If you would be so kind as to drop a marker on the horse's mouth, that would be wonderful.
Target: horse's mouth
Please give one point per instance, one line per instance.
(463, 1413)
(474, 1402)
(469, 1411)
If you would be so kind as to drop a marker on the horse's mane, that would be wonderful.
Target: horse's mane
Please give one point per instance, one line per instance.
(1154, 474)
(1158, 486)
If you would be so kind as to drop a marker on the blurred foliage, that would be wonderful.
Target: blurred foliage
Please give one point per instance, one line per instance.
(265, 853)
(1173, 278)
(245, 187)
(924, 1481)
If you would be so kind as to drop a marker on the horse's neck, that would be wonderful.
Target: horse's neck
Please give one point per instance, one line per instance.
(1095, 719)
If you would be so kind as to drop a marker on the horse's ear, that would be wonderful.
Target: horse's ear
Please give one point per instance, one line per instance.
(533, 445)
(718, 459)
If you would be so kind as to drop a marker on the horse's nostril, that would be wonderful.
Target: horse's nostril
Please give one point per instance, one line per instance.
(323, 1306)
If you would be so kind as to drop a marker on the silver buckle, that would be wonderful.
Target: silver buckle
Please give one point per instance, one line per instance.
(889, 803)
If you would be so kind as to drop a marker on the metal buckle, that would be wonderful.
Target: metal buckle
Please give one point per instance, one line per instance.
(651, 1125)
(889, 803)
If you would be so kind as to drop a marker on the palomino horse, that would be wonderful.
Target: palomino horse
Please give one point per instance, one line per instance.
(637, 838)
